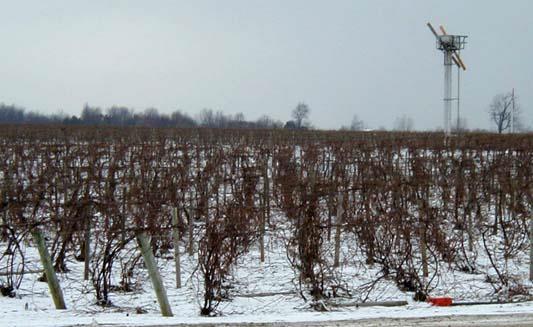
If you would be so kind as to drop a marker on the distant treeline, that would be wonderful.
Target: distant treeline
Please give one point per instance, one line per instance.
(123, 116)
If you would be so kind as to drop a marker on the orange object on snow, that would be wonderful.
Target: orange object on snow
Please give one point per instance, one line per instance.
(440, 301)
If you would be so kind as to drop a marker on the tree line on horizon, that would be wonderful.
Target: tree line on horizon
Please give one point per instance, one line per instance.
(151, 117)
(499, 112)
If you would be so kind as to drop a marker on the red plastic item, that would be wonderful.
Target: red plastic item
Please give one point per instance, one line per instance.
(441, 301)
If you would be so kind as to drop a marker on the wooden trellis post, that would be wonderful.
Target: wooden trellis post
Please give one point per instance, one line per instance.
(338, 227)
(422, 228)
(87, 247)
(157, 282)
(176, 241)
(266, 194)
(51, 278)
(190, 224)
(3, 233)
(531, 248)
(423, 251)
(265, 210)
(262, 232)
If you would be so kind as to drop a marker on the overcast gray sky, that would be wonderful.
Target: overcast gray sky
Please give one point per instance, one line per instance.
(376, 59)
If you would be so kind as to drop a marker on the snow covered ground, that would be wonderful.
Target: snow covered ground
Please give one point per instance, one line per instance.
(274, 281)
(13, 314)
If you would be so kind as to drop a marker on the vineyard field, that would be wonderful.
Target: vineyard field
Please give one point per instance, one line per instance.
(245, 224)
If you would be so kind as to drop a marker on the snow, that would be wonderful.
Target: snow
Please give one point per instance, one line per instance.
(33, 307)
(13, 314)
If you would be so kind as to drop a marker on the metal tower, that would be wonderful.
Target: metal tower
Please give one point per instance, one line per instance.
(450, 45)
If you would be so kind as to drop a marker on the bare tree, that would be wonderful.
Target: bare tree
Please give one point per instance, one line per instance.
(181, 119)
(266, 121)
(11, 114)
(151, 117)
(119, 116)
(239, 117)
(91, 115)
(357, 124)
(300, 114)
(238, 120)
(206, 118)
(500, 111)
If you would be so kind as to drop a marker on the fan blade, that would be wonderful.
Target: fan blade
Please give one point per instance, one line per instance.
(456, 57)
(443, 30)
(456, 62)
(433, 30)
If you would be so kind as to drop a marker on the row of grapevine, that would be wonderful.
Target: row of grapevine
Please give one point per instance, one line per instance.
(410, 202)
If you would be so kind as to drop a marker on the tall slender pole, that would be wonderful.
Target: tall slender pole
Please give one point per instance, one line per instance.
(447, 92)
(512, 111)
(458, 100)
